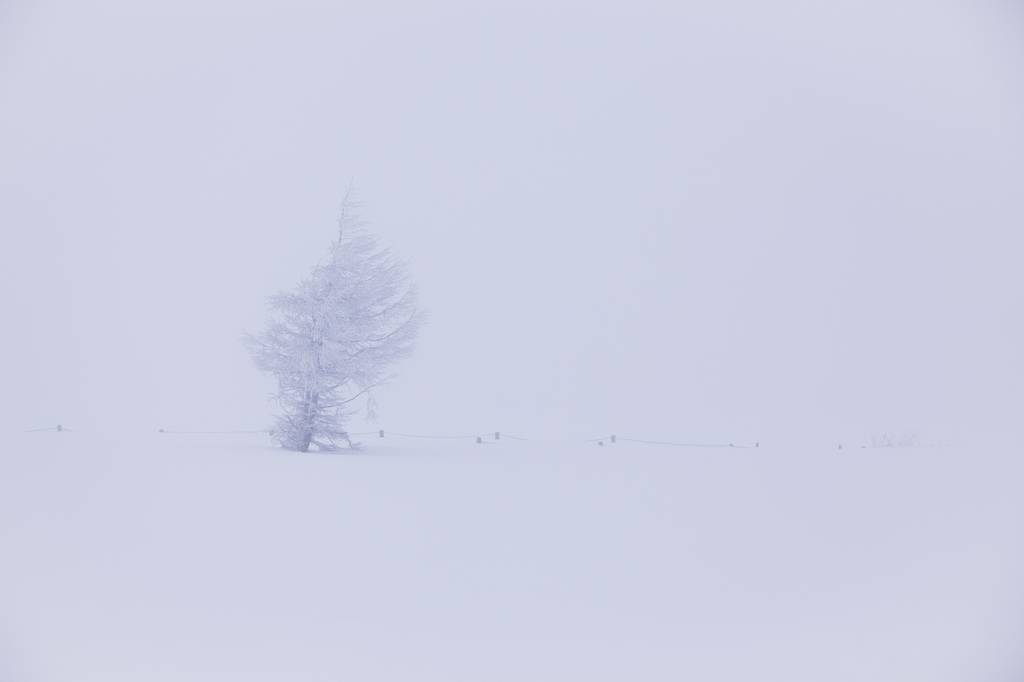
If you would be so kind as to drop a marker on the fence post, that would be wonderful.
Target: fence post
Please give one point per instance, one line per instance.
(58, 427)
(478, 440)
(497, 436)
(382, 433)
(600, 442)
(613, 438)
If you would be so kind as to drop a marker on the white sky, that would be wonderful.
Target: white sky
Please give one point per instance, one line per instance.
(740, 224)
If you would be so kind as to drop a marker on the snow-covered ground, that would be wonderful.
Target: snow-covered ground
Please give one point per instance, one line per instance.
(218, 557)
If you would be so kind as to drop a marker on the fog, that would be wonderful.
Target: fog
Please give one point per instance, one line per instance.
(791, 224)
(786, 224)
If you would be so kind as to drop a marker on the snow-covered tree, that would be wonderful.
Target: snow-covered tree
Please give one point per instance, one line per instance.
(335, 335)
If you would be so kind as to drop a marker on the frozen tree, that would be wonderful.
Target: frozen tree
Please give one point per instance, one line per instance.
(335, 335)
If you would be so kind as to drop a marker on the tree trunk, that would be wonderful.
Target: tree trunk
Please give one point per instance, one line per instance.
(308, 417)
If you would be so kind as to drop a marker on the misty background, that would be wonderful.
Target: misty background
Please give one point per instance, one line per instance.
(728, 222)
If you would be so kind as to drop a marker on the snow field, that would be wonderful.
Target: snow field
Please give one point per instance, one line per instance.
(218, 557)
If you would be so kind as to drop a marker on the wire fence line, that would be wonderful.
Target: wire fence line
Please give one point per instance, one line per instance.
(613, 439)
(260, 431)
(478, 436)
(411, 435)
(497, 434)
(689, 445)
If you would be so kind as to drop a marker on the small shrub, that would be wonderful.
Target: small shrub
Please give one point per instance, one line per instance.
(887, 440)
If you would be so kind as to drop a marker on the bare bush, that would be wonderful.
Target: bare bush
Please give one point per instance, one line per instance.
(887, 440)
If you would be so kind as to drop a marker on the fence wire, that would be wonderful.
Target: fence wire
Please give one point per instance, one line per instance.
(498, 436)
